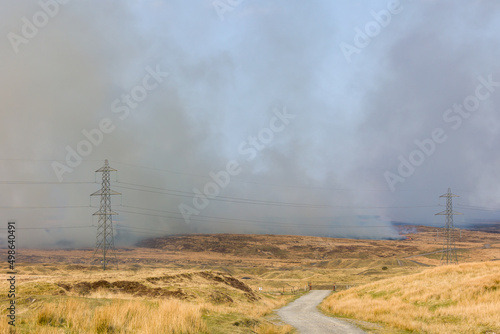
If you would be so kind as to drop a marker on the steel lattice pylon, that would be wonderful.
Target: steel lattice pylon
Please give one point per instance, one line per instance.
(449, 255)
(105, 245)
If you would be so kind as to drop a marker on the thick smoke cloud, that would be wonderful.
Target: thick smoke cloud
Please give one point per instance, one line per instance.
(352, 118)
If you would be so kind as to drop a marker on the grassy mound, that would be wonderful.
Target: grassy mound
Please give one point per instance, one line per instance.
(461, 298)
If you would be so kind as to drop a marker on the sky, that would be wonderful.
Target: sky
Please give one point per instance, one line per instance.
(315, 117)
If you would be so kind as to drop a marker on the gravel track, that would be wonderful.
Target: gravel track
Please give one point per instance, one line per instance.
(303, 315)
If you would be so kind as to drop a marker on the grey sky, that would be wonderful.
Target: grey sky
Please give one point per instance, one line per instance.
(232, 65)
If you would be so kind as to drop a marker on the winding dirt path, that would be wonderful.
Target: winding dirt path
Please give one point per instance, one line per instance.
(303, 315)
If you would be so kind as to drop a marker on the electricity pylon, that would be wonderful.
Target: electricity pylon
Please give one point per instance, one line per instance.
(105, 245)
(449, 255)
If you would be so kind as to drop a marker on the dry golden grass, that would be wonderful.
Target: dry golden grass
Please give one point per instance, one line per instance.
(452, 299)
(45, 307)
(89, 315)
(269, 328)
(137, 316)
(143, 316)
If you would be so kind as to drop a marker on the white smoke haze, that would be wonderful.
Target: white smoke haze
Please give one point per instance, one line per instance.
(322, 175)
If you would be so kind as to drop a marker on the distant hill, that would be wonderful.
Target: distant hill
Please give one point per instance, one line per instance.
(485, 227)
(282, 246)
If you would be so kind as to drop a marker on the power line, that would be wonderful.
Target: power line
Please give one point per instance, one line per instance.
(147, 214)
(137, 229)
(159, 189)
(159, 169)
(203, 217)
(178, 217)
(231, 221)
(147, 209)
(232, 199)
(43, 160)
(384, 189)
(48, 227)
(234, 179)
(45, 207)
(44, 182)
(479, 208)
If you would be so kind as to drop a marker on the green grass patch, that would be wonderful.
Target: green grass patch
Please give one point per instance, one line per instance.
(226, 323)
(379, 294)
